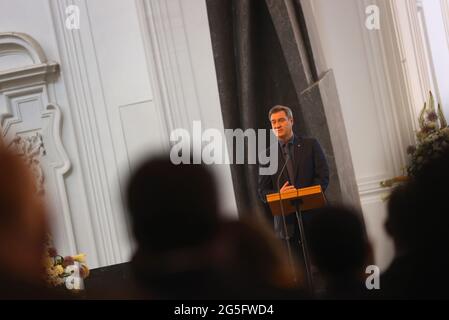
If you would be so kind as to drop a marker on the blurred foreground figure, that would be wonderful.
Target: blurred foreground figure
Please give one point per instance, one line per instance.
(341, 251)
(23, 230)
(174, 218)
(258, 262)
(418, 222)
(185, 250)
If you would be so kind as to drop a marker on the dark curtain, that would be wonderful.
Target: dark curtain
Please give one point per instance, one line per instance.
(252, 77)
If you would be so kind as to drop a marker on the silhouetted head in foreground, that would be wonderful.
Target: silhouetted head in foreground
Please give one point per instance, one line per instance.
(340, 250)
(172, 206)
(418, 222)
(418, 212)
(175, 218)
(186, 250)
(23, 229)
(257, 262)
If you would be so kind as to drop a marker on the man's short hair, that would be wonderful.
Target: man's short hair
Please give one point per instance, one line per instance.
(279, 108)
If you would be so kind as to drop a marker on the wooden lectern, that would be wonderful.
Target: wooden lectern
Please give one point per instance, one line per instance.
(308, 198)
(297, 201)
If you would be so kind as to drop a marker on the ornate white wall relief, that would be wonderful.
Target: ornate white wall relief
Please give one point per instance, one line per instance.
(31, 149)
(31, 123)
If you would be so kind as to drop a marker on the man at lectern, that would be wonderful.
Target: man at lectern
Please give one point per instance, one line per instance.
(301, 163)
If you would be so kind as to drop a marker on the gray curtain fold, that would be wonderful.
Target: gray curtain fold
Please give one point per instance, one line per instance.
(253, 76)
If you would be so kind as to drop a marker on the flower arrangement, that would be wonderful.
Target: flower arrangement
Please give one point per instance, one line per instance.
(432, 139)
(69, 270)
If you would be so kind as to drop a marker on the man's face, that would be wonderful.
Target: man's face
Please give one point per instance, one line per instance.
(281, 125)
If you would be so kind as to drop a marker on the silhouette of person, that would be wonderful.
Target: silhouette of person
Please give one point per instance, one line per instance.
(418, 222)
(23, 231)
(174, 217)
(340, 250)
(186, 250)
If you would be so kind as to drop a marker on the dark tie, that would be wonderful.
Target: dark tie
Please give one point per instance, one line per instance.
(290, 170)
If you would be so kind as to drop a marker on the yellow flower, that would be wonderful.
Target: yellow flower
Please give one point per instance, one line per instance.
(52, 272)
(59, 269)
(81, 258)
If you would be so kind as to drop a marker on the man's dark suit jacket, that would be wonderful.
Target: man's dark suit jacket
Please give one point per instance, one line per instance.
(310, 169)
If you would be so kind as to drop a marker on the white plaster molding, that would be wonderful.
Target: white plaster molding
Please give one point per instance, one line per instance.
(445, 13)
(374, 57)
(31, 149)
(427, 57)
(24, 114)
(155, 67)
(414, 9)
(370, 186)
(390, 93)
(27, 116)
(169, 45)
(179, 49)
(30, 46)
(19, 77)
(78, 54)
(403, 69)
(38, 69)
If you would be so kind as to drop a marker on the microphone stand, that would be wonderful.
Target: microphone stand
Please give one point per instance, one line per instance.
(302, 236)
(303, 241)
(292, 265)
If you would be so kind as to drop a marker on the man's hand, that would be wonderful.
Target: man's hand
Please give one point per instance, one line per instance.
(287, 187)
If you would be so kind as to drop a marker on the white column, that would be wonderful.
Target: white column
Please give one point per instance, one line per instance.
(437, 41)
